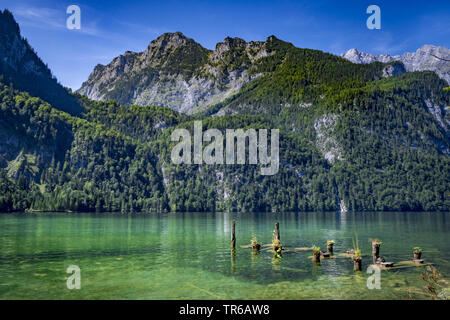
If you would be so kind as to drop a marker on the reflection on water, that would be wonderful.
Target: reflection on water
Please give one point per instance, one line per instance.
(188, 256)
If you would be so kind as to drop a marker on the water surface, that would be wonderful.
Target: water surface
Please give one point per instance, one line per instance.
(188, 256)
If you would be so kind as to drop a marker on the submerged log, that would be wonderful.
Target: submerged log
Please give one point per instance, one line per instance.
(404, 265)
(256, 246)
(411, 264)
(386, 264)
(303, 249)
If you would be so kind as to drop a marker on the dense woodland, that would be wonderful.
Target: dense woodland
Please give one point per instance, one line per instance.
(117, 159)
(393, 151)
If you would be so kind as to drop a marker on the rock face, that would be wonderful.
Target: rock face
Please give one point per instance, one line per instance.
(427, 57)
(325, 141)
(20, 65)
(15, 52)
(393, 70)
(176, 72)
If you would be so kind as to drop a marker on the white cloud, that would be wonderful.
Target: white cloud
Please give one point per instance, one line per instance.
(53, 19)
(44, 18)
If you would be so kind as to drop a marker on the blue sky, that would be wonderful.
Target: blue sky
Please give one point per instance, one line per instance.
(109, 28)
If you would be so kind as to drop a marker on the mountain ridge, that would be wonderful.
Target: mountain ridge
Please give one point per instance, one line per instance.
(177, 72)
(427, 57)
(158, 75)
(367, 137)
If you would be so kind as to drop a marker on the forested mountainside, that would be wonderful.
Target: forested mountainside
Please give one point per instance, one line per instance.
(354, 134)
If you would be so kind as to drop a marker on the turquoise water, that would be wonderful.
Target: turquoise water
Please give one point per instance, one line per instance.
(188, 256)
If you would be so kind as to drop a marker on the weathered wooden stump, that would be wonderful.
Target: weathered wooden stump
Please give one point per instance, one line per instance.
(330, 248)
(277, 231)
(233, 235)
(330, 244)
(276, 246)
(376, 249)
(417, 255)
(256, 246)
(316, 257)
(357, 263)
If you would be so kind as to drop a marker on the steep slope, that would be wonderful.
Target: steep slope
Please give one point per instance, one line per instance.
(176, 72)
(427, 57)
(64, 162)
(108, 166)
(20, 66)
(297, 77)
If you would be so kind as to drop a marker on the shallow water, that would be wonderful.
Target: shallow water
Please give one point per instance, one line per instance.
(188, 256)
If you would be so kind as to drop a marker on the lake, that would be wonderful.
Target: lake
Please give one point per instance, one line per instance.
(188, 256)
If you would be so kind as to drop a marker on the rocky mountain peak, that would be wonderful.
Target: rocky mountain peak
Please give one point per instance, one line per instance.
(230, 43)
(7, 23)
(15, 52)
(356, 56)
(169, 41)
(427, 57)
(159, 49)
(272, 38)
(20, 65)
(227, 50)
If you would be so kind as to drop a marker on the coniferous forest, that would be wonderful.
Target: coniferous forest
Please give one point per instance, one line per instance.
(347, 135)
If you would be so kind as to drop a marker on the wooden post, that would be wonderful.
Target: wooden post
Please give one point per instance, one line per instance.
(277, 231)
(375, 251)
(330, 245)
(357, 264)
(316, 257)
(233, 235)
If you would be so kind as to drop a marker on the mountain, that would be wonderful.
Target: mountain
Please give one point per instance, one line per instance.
(427, 57)
(368, 137)
(20, 66)
(176, 72)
